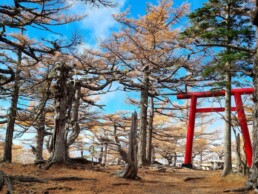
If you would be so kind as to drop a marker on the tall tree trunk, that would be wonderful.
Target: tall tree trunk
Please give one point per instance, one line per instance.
(13, 113)
(143, 120)
(150, 129)
(59, 140)
(227, 136)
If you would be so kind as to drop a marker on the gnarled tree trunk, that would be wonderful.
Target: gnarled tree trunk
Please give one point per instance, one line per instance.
(59, 152)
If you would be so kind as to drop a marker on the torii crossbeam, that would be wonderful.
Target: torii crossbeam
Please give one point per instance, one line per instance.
(193, 110)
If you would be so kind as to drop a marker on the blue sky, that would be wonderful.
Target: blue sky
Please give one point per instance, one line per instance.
(100, 24)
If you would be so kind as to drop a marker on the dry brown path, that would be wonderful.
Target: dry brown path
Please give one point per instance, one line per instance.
(100, 181)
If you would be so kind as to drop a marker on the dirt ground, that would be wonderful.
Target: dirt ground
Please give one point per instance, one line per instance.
(102, 180)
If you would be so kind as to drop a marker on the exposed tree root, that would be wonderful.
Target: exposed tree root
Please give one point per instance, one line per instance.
(71, 162)
(7, 180)
(82, 161)
(4, 179)
(52, 162)
(192, 178)
(27, 179)
(59, 188)
(119, 184)
(49, 164)
(243, 189)
(34, 179)
(72, 178)
(37, 162)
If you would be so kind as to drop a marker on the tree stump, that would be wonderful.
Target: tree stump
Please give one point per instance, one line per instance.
(131, 168)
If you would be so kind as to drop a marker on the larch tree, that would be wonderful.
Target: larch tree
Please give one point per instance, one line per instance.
(148, 51)
(120, 123)
(20, 15)
(204, 143)
(37, 114)
(74, 78)
(112, 130)
(7, 157)
(40, 15)
(224, 26)
(11, 118)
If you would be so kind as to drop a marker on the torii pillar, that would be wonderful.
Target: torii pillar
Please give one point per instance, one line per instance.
(241, 118)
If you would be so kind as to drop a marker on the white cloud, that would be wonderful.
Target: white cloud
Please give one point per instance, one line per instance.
(99, 22)
(84, 46)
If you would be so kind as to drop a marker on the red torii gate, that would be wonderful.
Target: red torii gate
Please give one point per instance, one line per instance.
(193, 110)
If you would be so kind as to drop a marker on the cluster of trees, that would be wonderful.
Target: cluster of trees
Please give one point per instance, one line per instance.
(52, 87)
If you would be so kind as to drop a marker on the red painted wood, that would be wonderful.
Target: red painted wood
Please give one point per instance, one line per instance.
(206, 110)
(215, 93)
(190, 132)
(243, 124)
(193, 110)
